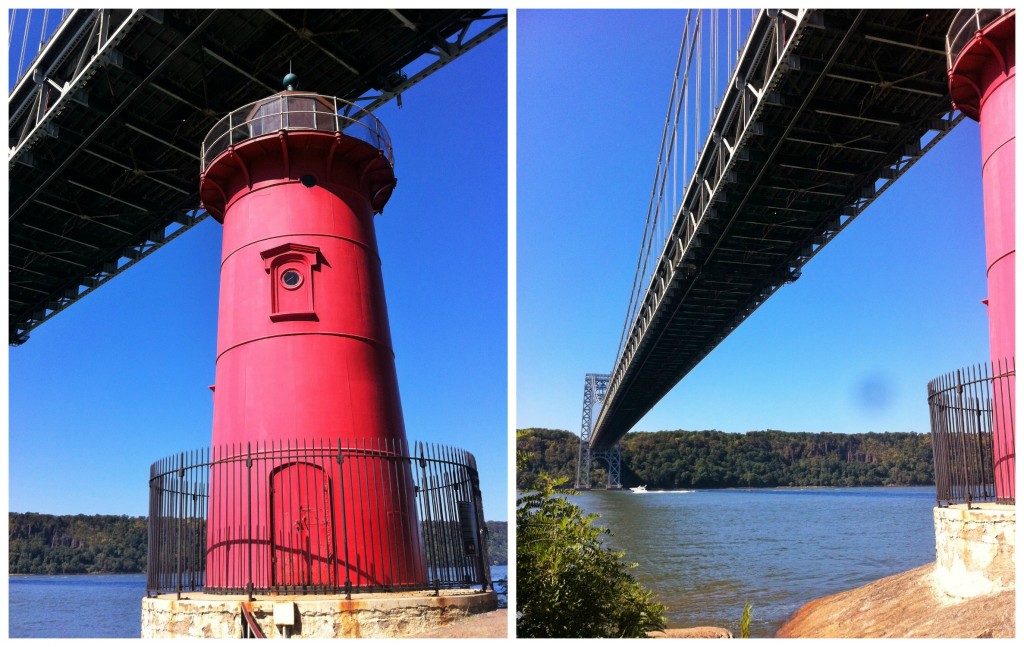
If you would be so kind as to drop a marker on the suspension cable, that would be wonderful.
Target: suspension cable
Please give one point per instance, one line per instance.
(24, 43)
(694, 43)
(713, 61)
(656, 227)
(696, 98)
(651, 209)
(42, 34)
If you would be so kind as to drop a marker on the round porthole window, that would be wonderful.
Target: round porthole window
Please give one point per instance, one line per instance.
(291, 279)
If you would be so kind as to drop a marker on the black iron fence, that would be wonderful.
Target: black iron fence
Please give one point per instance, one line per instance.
(972, 434)
(316, 517)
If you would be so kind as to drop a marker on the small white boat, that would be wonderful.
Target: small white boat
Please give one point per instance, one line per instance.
(640, 489)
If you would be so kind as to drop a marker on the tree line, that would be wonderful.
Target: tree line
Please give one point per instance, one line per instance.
(497, 542)
(45, 544)
(715, 459)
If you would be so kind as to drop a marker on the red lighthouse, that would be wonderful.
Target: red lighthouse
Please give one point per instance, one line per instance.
(304, 352)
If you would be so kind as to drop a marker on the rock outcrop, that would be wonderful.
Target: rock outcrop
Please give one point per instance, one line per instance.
(692, 632)
(906, 605)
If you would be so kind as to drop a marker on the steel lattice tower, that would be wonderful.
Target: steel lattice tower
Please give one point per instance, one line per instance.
(594, 388)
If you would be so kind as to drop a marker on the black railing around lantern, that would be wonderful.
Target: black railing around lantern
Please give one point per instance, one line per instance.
(316, 518)
(972, 434)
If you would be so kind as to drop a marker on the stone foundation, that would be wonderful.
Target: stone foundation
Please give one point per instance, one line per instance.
(394, 615)
(975, 549)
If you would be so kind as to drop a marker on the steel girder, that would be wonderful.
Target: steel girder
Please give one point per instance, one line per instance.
(104, 128)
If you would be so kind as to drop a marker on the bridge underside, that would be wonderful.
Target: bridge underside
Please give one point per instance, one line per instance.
(827, 109)
(105, 128)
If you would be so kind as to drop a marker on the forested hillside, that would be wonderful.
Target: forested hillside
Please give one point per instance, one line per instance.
(45, 544)
(546, 450)
(50, 544)
(715, 459)
(497, 542)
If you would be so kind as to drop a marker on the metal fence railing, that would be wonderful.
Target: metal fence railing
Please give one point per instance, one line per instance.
(295, 111)
(972, 434)
(316, 518)
(965, 25)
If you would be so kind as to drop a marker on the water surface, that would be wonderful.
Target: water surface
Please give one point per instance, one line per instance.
(705, 553)
(76, 606)
(96, 606)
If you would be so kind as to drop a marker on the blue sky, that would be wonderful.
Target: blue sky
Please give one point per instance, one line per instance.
(892, 302)
(120, 379)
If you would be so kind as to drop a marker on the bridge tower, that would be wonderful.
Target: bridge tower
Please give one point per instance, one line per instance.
(595, 386)
(982, 74)
(303, 345)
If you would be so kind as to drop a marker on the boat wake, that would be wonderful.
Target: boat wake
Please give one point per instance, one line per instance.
(643, 490)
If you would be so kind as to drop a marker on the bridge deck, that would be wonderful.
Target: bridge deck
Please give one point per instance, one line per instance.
(827, 108)
(105, 129)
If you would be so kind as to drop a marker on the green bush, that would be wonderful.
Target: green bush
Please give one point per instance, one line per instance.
(568, 584)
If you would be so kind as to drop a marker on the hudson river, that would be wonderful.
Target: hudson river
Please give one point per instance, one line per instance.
(92, 606)
(707, 552)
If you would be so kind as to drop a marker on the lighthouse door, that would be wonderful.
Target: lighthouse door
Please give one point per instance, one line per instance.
(301, 518)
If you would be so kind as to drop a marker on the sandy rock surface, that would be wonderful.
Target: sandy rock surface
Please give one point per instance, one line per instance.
(692, 632)
(906, 605)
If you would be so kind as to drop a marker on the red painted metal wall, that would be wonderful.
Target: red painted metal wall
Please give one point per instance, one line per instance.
(982, 85)
(303, 347)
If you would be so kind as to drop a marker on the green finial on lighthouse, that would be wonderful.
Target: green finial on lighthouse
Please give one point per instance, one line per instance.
(290, 81)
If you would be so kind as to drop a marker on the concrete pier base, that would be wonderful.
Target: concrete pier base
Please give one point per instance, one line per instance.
(975, 549)
(381, 615)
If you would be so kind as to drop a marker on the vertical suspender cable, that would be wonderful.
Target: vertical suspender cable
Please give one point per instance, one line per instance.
(657, 202)
(675, 138)
(656, 226)
(711, 73)
(42, 34)
(694, 43)
(10, 29)
(736, 55)
(649, 225)
(696, 115)
(24, 42)
(686, 112)
(675, 151)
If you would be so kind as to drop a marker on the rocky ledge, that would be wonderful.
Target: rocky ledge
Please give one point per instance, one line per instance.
(692, 632)
(907, 605)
